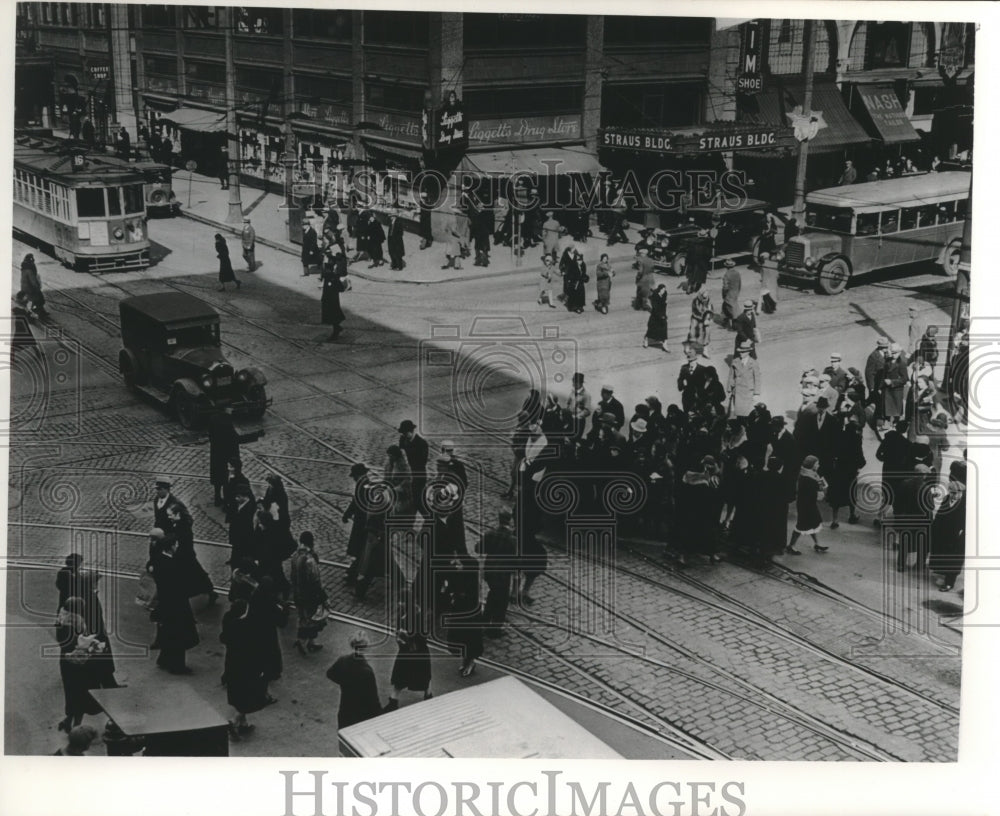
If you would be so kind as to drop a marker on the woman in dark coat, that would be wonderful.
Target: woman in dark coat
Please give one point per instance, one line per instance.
(275, 502)
(226, 274)
(308, 594)
(713, 392)
(850, 459)
(699, 506)
(948, 530)
(358, 690)
(175, 625)
(808, 520)
(896, 455)
(77, 677)
(266, 614)
(773, 498)
(376, 238)
(198, 581)
(246, 688)
(73, 581)
(223, 446)
(30, 295)
(411, 670)
(463, 622)
(269, 548)
(334, 279)
(605, 274)
(656, 325)
(355, 512)
(574, 277)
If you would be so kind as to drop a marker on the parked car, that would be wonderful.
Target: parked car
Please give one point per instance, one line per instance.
(172, 351)
(733, 231)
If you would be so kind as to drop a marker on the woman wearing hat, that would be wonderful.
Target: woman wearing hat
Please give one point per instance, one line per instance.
(656, 325)
(768, 283)
(358, 690)
(700, 506)
(732, 285)
(808, 520)
(744, 382)
(226, 274)
(309, 596)
(848, 462)
(894, 380)
(334, 280)
(702, 314)
(243, 673)
(948, 530)
(605, 274)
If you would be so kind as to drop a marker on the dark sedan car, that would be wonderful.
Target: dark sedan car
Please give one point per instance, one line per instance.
(172, 351)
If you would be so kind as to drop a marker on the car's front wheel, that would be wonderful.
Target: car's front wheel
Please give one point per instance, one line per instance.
(257, 398)
(185, 407)
(679, 264)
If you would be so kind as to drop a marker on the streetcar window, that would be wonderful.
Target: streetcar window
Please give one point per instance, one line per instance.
(90, 202)
(135, 202)
(114, 201)
(867, 223)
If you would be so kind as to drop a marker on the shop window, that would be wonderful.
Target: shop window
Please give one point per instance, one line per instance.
(887, 45)
(510, 31)
(409, 28)
(158, 16)
(532, 100)
(198, 17)
(90, 202)
(323, 24)
(661, 105)
(867, 224)
(260, 21)
(688, 31)
(394, 97)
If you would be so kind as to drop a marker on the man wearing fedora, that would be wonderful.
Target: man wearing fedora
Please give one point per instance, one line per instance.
(248, 239)
(747, 332)
(578, 406)
(732, 284)
(692, 379)
(607, 404)
(417, 453)
(874, 375)
(163, 499)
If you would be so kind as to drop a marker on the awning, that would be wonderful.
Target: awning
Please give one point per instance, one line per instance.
(202, 121)
(547, 161)
(887, 114)
(841, 128)
(393, 152)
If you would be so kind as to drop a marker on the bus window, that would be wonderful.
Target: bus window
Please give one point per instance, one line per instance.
(908, 218)
(927, 215)
(890, 221)
(835, 219)
(90, 202)
(946, 212)
(867, 223)
(960, 207)
(134, 200)
(114, 201)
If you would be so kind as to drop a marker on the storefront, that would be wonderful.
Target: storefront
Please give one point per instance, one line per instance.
(198, 135)
(261, 149)
(670, 168)
(881, 112)
(839, 138)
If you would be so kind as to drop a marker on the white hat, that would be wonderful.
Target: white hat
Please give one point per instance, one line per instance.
(639, 426)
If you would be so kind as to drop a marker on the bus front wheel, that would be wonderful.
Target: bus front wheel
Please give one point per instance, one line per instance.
(833, 276)
(952, 255)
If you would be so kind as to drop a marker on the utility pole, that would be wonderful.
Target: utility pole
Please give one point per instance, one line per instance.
(808, 51)
(235, 214)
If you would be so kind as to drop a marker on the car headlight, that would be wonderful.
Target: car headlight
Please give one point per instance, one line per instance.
(809, 262)
(206, 382)
(118, 233)
(243, 376)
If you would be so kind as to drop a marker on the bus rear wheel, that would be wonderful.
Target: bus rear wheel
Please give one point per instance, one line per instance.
(952, 256)
(833, 276)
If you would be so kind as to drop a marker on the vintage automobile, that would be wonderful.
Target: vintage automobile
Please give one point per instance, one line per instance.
(172, 352)
(734, 231)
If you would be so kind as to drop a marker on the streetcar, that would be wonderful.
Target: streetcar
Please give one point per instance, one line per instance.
(89, 214)
(161, 201)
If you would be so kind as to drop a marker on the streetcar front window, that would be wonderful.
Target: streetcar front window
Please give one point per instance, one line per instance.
(114, 201)
(135, 202)
(90, 202)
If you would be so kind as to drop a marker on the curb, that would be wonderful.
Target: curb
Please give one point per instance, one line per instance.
(278, 245)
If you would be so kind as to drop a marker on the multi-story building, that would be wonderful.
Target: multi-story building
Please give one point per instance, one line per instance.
(332, 89)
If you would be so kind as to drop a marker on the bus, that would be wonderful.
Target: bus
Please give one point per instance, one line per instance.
(89, 215)
(858, 228)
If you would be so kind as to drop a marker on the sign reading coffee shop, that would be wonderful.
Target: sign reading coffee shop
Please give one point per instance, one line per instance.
(525, 130)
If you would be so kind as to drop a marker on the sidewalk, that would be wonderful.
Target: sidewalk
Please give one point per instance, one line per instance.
(209, 204)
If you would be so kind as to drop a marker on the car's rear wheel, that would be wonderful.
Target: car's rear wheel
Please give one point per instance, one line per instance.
(257, 397)
(679, 264)
(185, 407)
(833, 276)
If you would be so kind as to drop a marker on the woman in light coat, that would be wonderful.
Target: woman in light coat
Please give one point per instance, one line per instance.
(744, 383)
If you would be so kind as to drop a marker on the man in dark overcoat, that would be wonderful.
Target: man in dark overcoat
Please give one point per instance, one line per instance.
(691, 379)
(499, 549)
(175, 626)
(874, 376)
(395, 242)
(357, 514)
(224, 446)
(417, 453)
